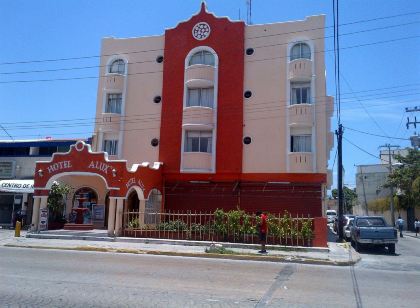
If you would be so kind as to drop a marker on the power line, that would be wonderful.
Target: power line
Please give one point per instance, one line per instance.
(371, 134)
(363, 150)
(273, 58)
(149, 61)
(160, 49)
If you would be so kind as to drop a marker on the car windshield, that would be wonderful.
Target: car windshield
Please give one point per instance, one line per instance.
(370, 222)
(331, 213)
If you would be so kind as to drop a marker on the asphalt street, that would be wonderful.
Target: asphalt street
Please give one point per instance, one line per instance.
(56, 278)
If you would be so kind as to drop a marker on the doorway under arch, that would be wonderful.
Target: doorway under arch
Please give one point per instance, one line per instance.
(153, 207)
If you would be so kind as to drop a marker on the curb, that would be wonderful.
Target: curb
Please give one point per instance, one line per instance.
(173, 242)
(243, 257)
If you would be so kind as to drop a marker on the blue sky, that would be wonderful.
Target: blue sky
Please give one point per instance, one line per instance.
(49, 29)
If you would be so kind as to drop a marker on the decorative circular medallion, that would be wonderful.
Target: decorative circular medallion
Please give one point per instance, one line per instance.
(79, 146)
(201, 31)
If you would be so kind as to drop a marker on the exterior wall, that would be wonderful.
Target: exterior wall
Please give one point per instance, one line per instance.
(274, 198)
(268, 115)
(227, 40)
(142, 82)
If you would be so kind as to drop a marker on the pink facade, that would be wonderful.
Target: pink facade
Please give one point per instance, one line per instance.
(219, 101)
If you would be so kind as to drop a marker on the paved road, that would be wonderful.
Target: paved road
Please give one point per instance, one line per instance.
(53, 278)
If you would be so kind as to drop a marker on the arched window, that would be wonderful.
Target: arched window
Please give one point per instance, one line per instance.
(117, 67)
(202, 57)
(300, 51)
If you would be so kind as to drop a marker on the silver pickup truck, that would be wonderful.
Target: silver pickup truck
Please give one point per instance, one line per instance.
(373, 230)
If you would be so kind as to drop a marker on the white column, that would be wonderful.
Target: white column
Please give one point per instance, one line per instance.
(35, 213)
(118, 218)
(142, 209)
(111, 216)
(43, 205)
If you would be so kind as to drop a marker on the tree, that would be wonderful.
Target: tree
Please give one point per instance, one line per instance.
(349, 197)
(406, 179)
(56, 200)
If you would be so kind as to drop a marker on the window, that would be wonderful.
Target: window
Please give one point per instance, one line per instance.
(300, 93)
(200, 97)
(198, 141)
(113, 103)
(117, 67)
(202, 57)
(300, 143)
(300, 51)
(111, 147)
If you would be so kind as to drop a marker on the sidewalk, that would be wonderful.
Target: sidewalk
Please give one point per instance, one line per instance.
(411, 234)
(97, 240)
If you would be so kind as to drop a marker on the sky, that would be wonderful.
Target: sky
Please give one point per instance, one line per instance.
(379, 62)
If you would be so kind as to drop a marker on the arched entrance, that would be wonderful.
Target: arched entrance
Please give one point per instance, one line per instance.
(87, 199)
(153, 207)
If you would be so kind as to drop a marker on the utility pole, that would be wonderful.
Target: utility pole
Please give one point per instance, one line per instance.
(339, 134)
(415, 139)
(391, 188)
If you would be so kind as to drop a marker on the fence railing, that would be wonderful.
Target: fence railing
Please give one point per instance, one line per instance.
(233, 226)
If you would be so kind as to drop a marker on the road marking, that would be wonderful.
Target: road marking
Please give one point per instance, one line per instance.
(280, 279)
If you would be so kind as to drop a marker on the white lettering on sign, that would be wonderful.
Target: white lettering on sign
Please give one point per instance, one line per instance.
(66, 164)
(132, 182)
(100, 166)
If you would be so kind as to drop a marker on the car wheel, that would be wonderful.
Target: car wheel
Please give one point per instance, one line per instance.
(391, 249)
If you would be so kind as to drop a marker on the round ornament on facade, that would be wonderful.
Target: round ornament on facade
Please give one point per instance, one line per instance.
(201, 31)
(249, 51)
(247, 140)
(157, 99)
(159, 59)
(248, 94)
(154, 142)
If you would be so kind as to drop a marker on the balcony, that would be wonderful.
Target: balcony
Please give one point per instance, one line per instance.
(196, 162)
(114, 82)
(197, 115)
(199, 76)
(300, 162)
(109, 122)
(300, 70)
(301, 114)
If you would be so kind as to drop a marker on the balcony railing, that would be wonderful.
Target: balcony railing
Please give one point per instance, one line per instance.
(301, 114)
(199, 76)
(301, 162)
(300, 70)
(114, 82)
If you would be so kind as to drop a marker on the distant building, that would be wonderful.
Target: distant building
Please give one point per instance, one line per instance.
(17, 167)
(370, 187)
(229, 115)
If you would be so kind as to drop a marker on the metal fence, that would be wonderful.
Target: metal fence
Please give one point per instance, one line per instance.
(233, 226)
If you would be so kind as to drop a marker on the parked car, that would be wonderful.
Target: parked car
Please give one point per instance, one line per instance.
(331, 215)
(373, 230)
(346, 217)
(347, 229)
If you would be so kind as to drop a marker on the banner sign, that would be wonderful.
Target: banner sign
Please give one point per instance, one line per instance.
(19, 186)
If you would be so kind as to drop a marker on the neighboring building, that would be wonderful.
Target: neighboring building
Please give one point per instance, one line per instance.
(17, 167)
(370, 182)
(236, 115)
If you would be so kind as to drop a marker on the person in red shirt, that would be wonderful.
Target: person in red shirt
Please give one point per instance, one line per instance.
(263, 230)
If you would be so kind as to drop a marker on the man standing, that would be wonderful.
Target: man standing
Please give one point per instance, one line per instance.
(263, 230)
(400, 225)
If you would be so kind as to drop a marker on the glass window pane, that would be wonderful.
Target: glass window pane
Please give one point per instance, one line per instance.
(207, 97)
(195, 143)
(305, 51)
(193, 98)
(195, 58)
